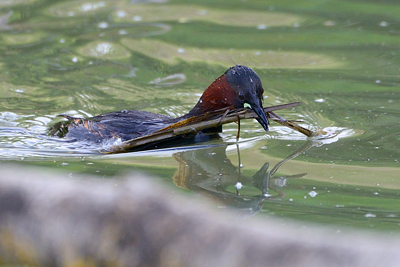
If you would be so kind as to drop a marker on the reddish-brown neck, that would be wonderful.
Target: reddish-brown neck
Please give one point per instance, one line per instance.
(217, 96)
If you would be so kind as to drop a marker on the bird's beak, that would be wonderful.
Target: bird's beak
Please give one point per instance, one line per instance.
(262, 118)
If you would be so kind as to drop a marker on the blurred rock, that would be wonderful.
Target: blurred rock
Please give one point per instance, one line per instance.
(47, 219)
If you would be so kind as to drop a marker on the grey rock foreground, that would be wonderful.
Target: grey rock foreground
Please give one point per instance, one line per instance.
(47, 219)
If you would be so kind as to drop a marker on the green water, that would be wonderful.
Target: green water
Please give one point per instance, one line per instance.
(341, 59)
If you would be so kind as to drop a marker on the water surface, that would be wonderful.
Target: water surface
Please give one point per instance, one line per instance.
(339, 58)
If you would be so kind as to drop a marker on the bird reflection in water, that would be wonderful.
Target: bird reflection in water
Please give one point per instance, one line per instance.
(210, 173)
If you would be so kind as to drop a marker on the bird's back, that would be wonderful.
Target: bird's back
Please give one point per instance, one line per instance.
(124, 125)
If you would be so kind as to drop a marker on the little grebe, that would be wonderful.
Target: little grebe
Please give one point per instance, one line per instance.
(238, 85)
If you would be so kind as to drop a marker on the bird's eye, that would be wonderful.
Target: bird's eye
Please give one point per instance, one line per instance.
(241, 96)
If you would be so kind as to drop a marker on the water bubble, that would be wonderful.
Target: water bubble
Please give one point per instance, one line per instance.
(319, 100)
(103, 48)
(91, 6)
(74, 59)
(262, 27)
(369, 215)
(103, 25)
(238, 185)
(121, 14)
(312, 193)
